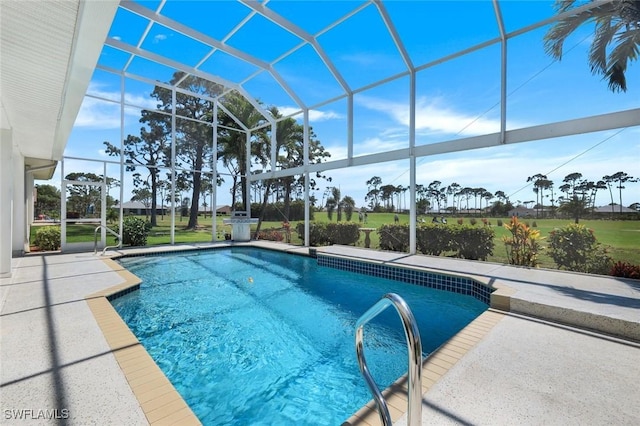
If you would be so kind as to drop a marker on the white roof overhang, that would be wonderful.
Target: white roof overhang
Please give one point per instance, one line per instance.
(49, 51)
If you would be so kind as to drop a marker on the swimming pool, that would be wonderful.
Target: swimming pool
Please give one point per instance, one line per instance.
(252, 336)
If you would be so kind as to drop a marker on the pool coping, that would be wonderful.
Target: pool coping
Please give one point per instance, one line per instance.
(434, 367)
(159, 400)
(161, 403)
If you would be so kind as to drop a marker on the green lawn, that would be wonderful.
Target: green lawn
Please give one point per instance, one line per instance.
(622, 237)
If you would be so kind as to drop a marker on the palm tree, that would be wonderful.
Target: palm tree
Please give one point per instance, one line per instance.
(609, 180)
(349, 205)
(374, 191)
(452, 190)
(576, 208)
(232, 144)
(598, 185)
(539, 184)
(465, 193)
(477, 192)
(544, 184)
(334, 204)
(437, 192)
(344, 205)
(616, 38)
(620, 178)
(386, 196)
(399, 191)
(488, 196)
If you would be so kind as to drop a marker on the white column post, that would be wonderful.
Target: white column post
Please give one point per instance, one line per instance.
(63, 208)
(29, 209)
(214, 168)
(103, 206)
(173, 166)
(307, 210)
(6, 201)
(247, 179)
(19, 213)
(412, 162)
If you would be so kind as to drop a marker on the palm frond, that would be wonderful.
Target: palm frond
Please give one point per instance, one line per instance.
(605, 32)
(617, 30)
(627, 49)
(556, 35)
(630, 12)
(563, 5)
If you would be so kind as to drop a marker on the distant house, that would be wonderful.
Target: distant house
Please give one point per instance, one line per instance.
(522, 211)
(138, 208)
(220, 210)
(614, 208)
(223, 210)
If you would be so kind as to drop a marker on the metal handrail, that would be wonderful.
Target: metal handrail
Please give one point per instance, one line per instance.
(95, 239)
(414, 346)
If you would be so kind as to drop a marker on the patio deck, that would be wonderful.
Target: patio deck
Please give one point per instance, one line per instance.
(523, 370)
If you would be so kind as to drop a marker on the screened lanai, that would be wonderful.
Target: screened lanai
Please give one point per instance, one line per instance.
(192, 105)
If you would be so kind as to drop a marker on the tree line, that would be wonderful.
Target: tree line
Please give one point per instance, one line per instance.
(576, 195)
(151, 150)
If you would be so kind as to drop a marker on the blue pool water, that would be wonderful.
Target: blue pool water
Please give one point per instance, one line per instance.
(251, 336)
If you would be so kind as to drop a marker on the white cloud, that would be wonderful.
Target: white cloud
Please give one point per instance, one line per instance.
(504, 168)
(376, 144)
(160, 37)
(433, 117)
(98, 114)
(314, 115)
(96, 89)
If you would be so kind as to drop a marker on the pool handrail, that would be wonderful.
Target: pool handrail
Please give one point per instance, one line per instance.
(95, 239)
(414, 347)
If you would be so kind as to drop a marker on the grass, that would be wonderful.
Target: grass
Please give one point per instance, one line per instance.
(622, 237)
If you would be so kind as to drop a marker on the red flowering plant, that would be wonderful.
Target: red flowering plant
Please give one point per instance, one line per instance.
(287, 230)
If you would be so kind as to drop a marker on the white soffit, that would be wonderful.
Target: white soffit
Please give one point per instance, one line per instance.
(48, 52)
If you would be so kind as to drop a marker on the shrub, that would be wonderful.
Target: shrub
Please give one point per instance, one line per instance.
(499, 222)
(473, 243)
(467, 241)
(330, 233)
(394, 237)
(575, 248)
(135, 231)
(523, 245)
(534, 224)
(473, 221)
(48, 238)
(460, 221)
(343, 233)
(434, 239)
(271, 235)
(625, 270)
(317, 233)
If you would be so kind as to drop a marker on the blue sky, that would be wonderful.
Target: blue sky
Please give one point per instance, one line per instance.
(455, 99)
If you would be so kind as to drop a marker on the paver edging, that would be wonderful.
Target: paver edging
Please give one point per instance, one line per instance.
(159, 400)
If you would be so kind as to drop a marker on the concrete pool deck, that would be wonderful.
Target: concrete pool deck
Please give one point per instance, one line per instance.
(58, 361)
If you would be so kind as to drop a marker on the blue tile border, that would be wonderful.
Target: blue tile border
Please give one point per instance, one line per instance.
(121, 293)
(438, 281)
(456, 284)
